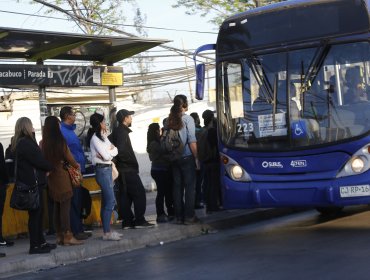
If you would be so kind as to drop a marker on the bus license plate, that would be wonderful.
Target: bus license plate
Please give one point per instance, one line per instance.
(353, 191)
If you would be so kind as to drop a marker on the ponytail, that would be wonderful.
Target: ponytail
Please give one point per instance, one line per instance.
(180, 102)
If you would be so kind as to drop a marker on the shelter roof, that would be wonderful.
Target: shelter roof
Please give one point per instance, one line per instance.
(34, 45)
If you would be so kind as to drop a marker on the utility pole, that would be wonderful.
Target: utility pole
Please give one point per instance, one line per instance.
(186, 65)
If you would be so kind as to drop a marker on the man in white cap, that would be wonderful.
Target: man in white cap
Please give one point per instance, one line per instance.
(131, 187)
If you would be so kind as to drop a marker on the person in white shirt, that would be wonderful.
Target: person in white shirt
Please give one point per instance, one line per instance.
(102, 153)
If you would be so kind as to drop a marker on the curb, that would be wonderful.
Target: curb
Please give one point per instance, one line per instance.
(95, 247)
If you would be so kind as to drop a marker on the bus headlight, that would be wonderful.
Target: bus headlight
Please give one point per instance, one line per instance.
(357, 164)
(236, 172)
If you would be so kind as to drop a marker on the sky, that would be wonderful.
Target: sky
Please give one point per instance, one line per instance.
(159, 13)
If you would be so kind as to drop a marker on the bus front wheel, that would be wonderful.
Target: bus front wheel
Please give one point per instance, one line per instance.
(332, 210)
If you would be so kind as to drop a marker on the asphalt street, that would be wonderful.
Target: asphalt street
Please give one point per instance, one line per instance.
(300, 246)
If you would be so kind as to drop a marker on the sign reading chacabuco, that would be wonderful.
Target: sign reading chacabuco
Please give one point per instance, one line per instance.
(60, 76)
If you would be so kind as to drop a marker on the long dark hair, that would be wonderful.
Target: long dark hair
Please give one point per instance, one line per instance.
(53, 143)
(95, 120)
(175, 118)
(153, 133)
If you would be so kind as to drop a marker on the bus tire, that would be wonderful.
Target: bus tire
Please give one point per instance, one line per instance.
(331, 210)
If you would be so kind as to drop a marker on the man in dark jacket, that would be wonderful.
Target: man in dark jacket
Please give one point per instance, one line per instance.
(131, 187)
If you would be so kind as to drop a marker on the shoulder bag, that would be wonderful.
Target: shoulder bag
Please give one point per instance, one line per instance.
(74, 173)
(24, 196)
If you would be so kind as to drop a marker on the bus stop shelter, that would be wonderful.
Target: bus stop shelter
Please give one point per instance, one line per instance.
(36, 47)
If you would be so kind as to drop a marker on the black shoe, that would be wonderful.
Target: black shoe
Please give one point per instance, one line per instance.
(199, 206)
(2, 255)
(128, 225)
(144, 224)
(178, 221)
(6, 243)
(39, 250)
(162, 219)
(50, 232)
(51, 246)
(81, 236)
(192, 221)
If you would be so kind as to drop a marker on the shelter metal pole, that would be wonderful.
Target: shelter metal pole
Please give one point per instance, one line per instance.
(112, 96)
(112, 92)
(42, 100)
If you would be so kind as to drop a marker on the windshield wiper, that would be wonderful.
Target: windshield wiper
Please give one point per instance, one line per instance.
(262, 81)
(314, 67)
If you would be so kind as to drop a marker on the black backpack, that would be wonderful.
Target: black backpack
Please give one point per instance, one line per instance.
(172, 144)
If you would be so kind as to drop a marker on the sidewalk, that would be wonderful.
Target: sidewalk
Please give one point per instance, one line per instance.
(19, 261)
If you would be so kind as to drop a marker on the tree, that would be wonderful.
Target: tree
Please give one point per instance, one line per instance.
(220, 9)
(91, 16)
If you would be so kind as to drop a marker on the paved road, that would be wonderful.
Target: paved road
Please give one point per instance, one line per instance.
(300, 246)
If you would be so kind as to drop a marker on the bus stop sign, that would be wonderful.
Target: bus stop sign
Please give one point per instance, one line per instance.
(60, 76)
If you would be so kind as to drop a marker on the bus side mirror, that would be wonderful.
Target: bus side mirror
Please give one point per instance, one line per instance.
(200, 74)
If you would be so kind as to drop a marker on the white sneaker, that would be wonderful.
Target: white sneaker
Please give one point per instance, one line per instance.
(111, 236)
(119, 234)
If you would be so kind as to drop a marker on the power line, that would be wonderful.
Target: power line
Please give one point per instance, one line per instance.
(116, 24)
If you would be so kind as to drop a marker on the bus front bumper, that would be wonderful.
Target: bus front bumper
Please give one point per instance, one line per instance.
(352, 190)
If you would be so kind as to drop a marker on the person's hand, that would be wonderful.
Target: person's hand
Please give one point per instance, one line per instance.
(47, 174)
(197, 164)
(99, 156)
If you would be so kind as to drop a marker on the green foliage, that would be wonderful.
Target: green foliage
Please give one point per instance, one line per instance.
(220, 9)
(85, 12)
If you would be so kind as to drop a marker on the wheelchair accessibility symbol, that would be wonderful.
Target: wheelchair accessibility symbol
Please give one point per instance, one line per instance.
(298, 130)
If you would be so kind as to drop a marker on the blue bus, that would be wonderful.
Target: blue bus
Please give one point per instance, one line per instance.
(293, 105)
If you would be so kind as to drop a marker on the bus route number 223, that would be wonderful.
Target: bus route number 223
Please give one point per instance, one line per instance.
(244, 127)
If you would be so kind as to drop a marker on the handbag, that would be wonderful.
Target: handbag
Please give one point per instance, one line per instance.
(24, 197)
(74, 174)
(114, 172)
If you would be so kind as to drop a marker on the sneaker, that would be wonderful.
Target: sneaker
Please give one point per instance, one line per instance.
(111, 236)
(192, 221)
(6, 243)
(144, 224)
(119, 234)
(51, 246)
(39, 250)
(2, 255)
(162, 219)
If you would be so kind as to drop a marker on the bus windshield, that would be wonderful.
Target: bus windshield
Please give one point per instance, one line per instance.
(296, 98)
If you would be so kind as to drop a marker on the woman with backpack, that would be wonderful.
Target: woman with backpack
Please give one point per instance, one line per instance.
(183, 168)
(161, 173)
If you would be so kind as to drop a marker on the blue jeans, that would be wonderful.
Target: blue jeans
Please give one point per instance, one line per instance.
(103, 176)
(75, 212)
(183, 171)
